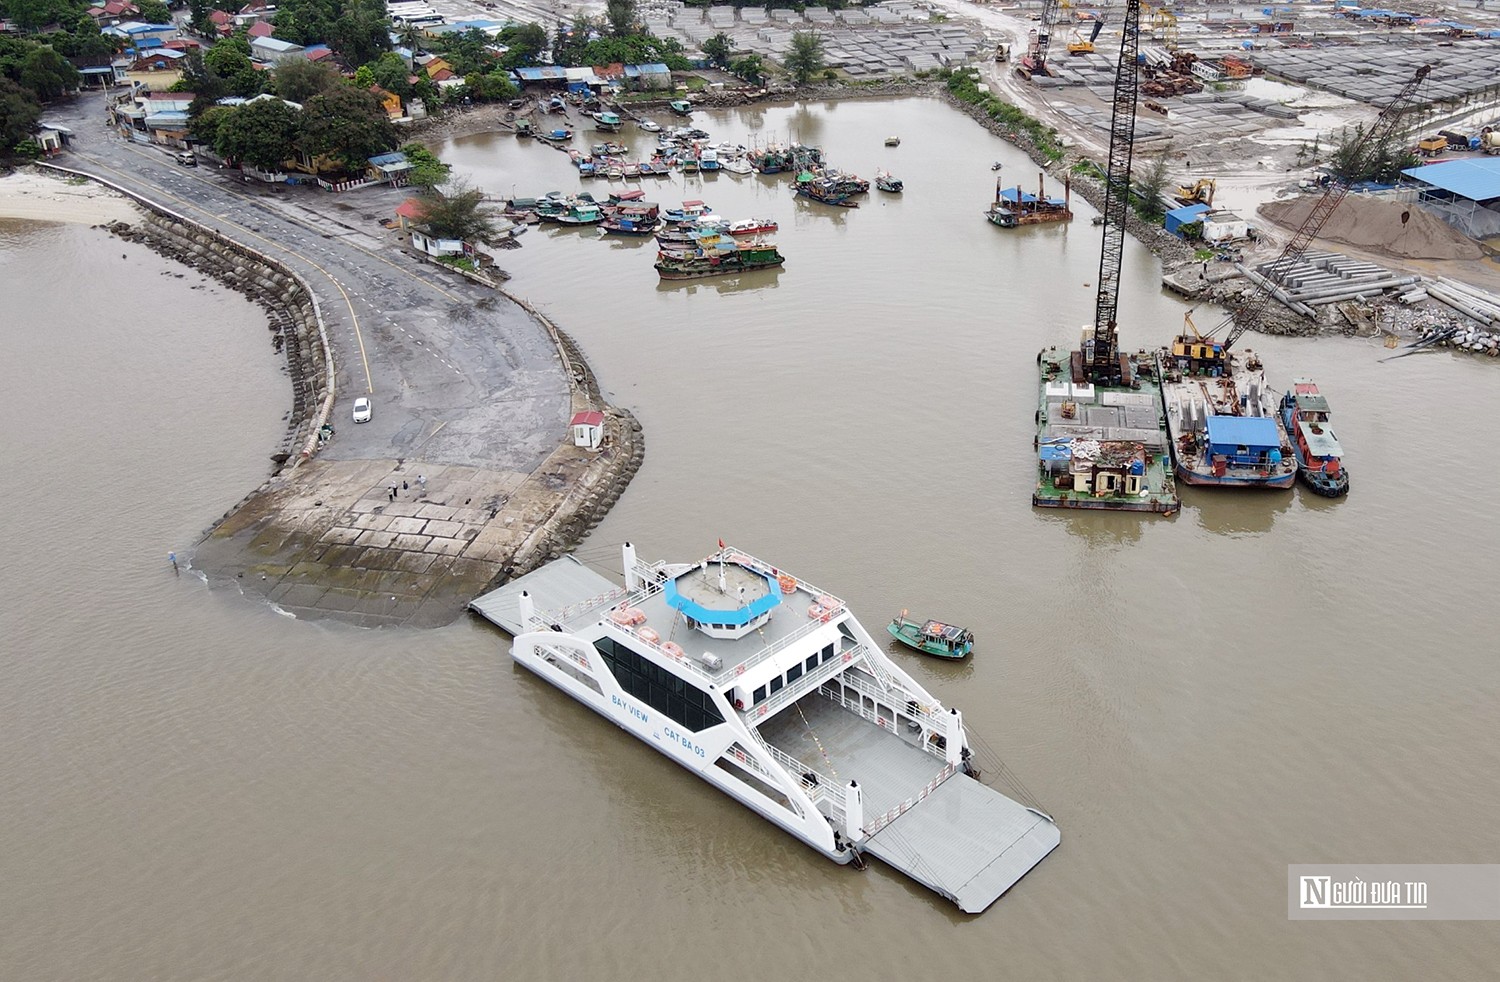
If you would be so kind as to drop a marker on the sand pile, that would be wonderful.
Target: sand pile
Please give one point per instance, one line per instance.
(1376, 225)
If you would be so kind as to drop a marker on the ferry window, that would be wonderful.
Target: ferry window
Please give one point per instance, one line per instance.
(659, 688)
(794, 673)
(811, 663)
(760, 694)
(776, 684)
(828, 653)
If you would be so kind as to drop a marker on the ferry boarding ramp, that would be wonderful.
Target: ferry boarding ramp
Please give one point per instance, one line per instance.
(942, 828)
(558, 588)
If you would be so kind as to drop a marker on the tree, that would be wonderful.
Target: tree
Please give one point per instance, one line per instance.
(347, 124)
(47, 73)
(1354, 159)
(1150, 187)
(205, 126)
(228, 61)
(262, 134)
(427, 171)
(360, 37)
(805, 58)
(620, 15)
(299, 79)
(153, 11)
(32, 15)
(750, 68)
(18, 113)
(525, 43)
(719, 48)
(458, 214)
(389, 71)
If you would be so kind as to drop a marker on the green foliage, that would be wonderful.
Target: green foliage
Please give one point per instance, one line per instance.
(620, 16)
(27, 150)
(965, 88)
(1355, 158)
(347, 124)
(356, 29)
(525, 42)
(205, 126)
(300, 79)
(805, 58)
(427, 171)
(47, 74)
(492, 86)
(364, 77)
(719, 49)
(262, 134)
(222, 70)
(153, 11)
(458, 214)
(389, 72)
(750, 68)
(1150, 201)
(18, 113)
(33, 15)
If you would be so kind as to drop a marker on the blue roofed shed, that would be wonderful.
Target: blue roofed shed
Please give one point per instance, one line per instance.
(1178, 217)
(1477, 179)
(1244, 439)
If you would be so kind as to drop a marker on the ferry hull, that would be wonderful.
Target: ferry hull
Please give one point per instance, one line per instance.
(601, 705)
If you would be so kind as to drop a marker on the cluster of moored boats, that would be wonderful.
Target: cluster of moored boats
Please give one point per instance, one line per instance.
(692, 241)
(689, 150)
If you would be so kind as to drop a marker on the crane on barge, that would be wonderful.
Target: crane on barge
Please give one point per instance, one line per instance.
(1099, 360)
(1249, 314)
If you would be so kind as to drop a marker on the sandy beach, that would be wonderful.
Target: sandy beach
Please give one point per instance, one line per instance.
(34, 196)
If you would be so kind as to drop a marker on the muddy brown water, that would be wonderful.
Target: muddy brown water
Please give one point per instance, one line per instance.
(196, 787)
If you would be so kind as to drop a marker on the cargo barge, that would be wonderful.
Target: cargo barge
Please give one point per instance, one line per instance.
(1101, 446)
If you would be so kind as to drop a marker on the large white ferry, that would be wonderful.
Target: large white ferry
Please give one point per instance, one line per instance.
(769, 689)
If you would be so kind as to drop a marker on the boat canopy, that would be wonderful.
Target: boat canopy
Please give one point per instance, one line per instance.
(947, 632)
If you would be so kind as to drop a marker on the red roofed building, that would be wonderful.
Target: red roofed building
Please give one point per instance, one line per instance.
(222, 20)
(260, 29)
(588, 429)
(409, 212)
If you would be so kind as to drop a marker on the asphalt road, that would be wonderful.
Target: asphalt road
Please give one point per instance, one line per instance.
(457, 373)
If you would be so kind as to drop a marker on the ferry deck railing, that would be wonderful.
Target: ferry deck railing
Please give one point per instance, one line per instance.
(901, 808)
(802, 686)
(820, 787)
(857, 706)
(909, 706)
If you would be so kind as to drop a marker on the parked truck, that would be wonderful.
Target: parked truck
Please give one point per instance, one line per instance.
(1489, 140)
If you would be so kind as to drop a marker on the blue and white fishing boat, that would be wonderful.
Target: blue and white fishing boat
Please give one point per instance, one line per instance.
(607, 121)
(769, 689)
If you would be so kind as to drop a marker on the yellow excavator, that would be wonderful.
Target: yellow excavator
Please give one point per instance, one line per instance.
(1200, 192)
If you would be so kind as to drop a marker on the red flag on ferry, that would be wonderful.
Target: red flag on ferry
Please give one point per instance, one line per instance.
(721, 543)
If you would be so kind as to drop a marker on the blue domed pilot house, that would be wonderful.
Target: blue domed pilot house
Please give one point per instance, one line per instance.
(768, 688)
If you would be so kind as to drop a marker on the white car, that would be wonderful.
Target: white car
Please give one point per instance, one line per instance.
(362, 410)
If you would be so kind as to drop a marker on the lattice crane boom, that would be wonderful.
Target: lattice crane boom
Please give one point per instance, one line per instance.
(1249, 314)
(1102, 363)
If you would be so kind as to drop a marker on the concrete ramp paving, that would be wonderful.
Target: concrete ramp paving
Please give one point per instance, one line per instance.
(966, 841)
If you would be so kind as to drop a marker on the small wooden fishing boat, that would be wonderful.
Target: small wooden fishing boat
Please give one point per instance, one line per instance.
(932, 637)
(893, 141)
(886, 182)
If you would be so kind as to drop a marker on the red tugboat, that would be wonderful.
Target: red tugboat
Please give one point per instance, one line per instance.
(1320, 458)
